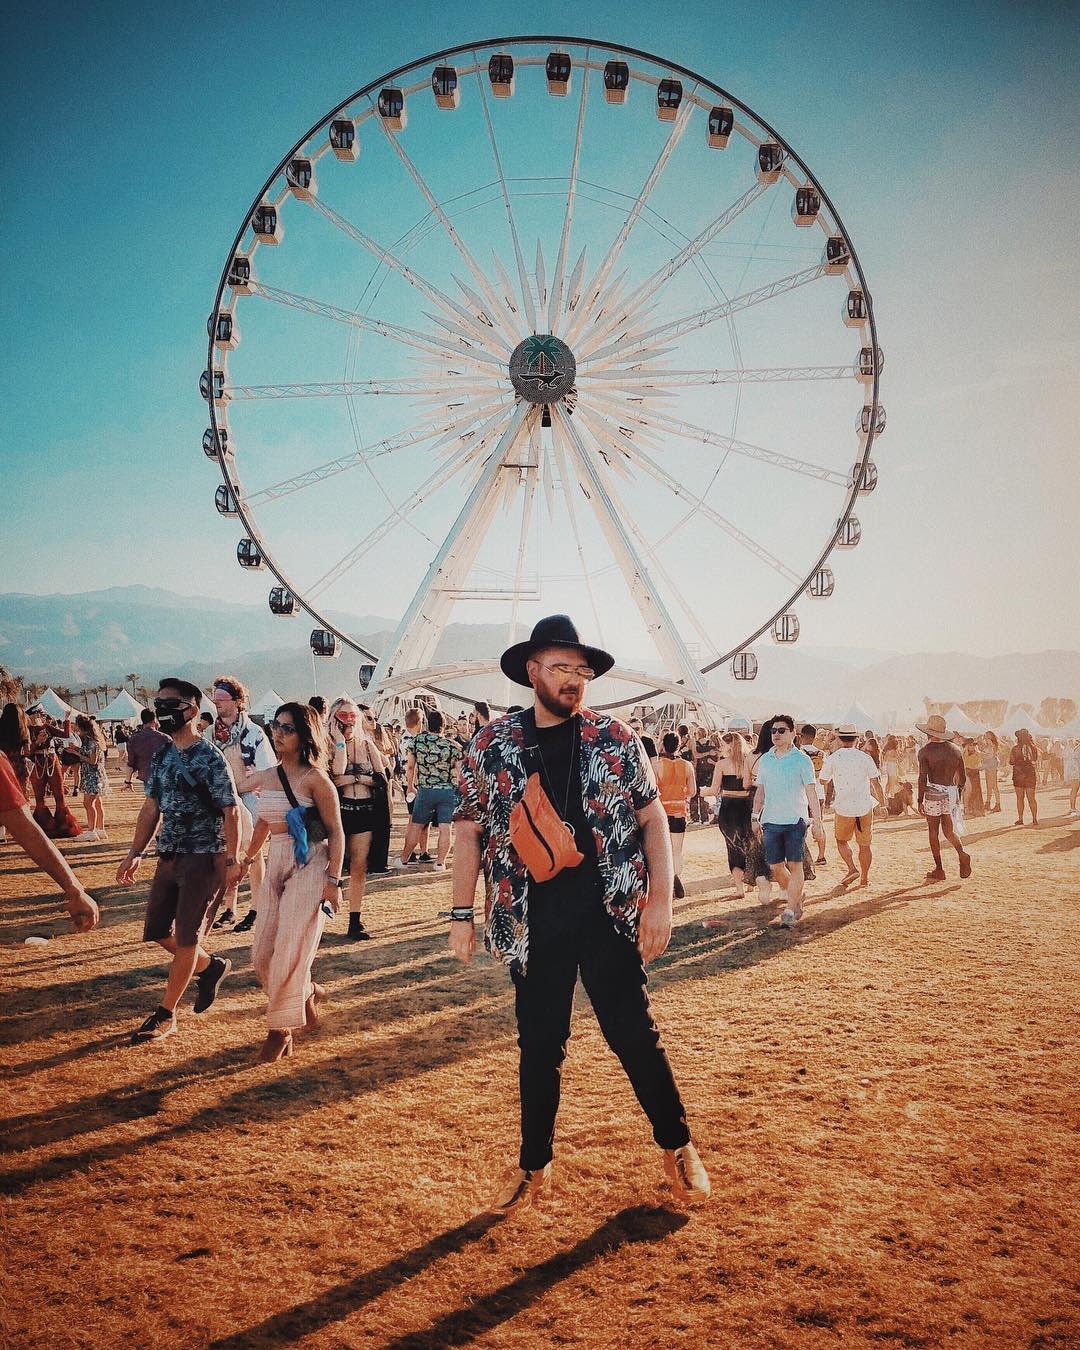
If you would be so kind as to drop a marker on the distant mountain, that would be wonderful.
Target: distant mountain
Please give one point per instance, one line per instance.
(87, 639)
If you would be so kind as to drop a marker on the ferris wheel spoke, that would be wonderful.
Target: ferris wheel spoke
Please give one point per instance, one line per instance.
(526, 292)
(405, 386)
(654, 613)
(400, 514)
(691, 431)
(415, 435)
(599, 434)
(648, 288)
(662, 377)
(633, 341)
(527, 507)
(418, 632)
(556, 298)
(409, 337)
(660, 475)
(466, 323)
(497, 313)
(567, 484)
(596, 286)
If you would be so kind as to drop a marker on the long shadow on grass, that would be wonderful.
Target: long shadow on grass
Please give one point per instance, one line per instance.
(641, 1223)
(737, 942)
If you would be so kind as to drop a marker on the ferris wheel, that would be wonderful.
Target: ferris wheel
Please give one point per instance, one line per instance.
(544, 324)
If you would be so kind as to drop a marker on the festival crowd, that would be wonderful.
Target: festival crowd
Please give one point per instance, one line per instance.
(576, 819)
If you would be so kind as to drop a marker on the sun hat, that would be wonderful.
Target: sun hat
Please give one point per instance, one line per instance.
(557, 630)
(847, 729)
(935, 728)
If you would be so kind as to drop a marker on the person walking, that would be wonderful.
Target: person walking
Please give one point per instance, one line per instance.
(303, 875)
(247, 751)
(190, 790)
(973, 798)
(731, 788)
(989, 766)
(1023, 760)
(856, 780)
(1070, 770)
(785, 780)
(676, 783)
(890, 765)
(941, 786)
(597, 900)
(806, 741)
(354, 764)
(93, 778)
(431, 772)
(704, 751)
(142, 746)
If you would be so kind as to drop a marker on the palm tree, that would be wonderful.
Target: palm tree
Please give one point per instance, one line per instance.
(132, 678)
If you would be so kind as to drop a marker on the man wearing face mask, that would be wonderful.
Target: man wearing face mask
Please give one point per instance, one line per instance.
(190, 789)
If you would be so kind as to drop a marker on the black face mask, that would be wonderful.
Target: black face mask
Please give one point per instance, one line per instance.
(172, 718)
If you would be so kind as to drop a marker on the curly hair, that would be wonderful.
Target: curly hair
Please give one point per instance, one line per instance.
(232, 686)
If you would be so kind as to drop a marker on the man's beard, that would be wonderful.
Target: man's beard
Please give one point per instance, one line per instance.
(557, 705)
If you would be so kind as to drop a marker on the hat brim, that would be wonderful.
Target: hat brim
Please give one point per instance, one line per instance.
(945, 735)
(514, 660)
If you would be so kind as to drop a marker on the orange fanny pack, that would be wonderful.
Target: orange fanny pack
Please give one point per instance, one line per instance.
(541, 838)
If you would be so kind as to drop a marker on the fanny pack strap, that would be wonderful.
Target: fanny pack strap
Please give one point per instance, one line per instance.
(197, 786)
(287, 786)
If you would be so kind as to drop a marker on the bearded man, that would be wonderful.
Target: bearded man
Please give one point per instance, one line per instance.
(605, 915)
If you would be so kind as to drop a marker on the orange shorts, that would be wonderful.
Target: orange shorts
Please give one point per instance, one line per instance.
(858, 827)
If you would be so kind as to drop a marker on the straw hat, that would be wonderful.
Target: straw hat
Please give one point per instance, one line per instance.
(935, 728)
(847, 729)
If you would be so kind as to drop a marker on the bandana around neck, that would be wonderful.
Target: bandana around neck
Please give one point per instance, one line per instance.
(226, 735)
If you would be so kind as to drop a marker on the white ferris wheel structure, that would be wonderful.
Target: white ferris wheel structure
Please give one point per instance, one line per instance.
(544, 324)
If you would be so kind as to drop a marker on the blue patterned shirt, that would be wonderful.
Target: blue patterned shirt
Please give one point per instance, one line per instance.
(617, 781)
(187, 825)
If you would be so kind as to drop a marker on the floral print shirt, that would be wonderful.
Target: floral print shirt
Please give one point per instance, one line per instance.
(617, 781)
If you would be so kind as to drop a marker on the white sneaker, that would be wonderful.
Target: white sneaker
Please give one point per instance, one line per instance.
(788, 919)
(396, 864)
(439, 867)
(88, 837)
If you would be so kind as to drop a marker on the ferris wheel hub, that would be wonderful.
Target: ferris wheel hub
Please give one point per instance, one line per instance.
(542, 369)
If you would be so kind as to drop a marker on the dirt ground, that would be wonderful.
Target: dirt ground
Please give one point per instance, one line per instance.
(886, 1099)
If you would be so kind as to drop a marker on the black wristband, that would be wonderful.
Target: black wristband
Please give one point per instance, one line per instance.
(462, 915)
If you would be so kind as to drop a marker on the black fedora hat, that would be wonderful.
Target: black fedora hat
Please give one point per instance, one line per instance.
(557, 630)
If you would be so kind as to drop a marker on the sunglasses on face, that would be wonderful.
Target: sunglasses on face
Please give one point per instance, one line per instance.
(172, 704)
(285, 728)
(578, 672)
(783, 731)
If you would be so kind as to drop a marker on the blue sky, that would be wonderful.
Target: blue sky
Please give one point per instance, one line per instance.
(947, 142)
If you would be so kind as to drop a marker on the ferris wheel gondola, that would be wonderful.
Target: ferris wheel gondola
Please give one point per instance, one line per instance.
(562, 407)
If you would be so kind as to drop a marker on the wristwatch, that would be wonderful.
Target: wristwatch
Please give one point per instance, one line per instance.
(339, 882)
(230, 862)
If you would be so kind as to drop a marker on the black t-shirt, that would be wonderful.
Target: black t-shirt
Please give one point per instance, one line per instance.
(650, 746)
(560, 756)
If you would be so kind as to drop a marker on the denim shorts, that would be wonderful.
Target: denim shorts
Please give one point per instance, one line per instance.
(784, 843)
(434, 806)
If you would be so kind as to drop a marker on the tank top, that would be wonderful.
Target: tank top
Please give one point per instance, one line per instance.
(274, 806)
(671, 782)
(732, 782)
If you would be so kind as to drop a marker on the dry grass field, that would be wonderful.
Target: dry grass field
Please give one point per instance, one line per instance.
(886, 1099)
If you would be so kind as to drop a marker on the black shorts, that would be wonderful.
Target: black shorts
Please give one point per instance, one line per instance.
(676, 824)
(357, 817)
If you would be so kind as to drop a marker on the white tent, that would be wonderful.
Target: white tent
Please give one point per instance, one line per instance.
(52, 705)
(207, 705)
(268, 705)
(861, 719)
(123, 708)
(958, 720)
(1018, 719)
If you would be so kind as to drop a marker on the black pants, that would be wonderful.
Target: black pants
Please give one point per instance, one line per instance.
(566, 935)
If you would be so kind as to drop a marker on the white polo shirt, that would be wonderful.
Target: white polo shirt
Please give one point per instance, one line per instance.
(851, 772)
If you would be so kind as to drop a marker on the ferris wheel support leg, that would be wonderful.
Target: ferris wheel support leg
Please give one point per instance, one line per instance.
(658, 621)
(418, 632)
